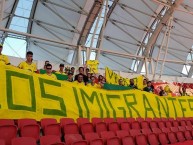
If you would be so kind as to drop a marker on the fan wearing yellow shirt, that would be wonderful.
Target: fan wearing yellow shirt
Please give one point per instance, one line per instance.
(93, 84)
(49, 72)
(3, 58)
(79, 80)
(28, 64)
(61, 70)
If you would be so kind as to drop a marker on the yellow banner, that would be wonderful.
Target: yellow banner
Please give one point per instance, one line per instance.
(113, 78)
(93, 65)
(24, 94)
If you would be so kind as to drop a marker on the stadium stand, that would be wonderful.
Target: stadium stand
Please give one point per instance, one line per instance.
(72, 132)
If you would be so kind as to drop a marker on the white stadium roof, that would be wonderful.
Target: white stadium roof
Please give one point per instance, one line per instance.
(126, 35)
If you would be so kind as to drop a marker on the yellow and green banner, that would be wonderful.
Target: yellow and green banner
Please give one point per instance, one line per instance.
(113, 78)
(93, 65)
(28, 95)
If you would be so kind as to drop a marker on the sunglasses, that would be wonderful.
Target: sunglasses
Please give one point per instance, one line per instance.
(49, 68)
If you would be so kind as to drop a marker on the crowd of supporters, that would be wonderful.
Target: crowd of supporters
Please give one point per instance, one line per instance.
(83, 76)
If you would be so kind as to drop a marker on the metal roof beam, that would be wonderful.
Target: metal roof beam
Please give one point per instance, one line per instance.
(97, 5)
(10, 18)
(67, 8)
(157, 31)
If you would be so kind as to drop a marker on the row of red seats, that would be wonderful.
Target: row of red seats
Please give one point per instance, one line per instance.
(30, 127)
(108, 138)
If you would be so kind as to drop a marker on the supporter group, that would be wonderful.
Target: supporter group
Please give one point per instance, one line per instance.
(83, 76)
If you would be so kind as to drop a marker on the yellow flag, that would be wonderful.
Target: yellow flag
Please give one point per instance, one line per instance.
(93, 65)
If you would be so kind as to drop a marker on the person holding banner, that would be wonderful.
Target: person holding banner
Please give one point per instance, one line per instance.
(28, 64)
(49, 72)
(121, 82)
(81, 72)
(182, 91)
(80, 80)
(3, 58)
(70, 76)
(149, 87)
(132, 85)
(93, 84)
(61, 69)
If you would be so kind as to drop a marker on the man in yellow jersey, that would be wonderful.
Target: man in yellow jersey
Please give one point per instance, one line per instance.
(3, 58)
(61, 70)
(28, 64)
(79, 80)
(93, 84)
(49, 72)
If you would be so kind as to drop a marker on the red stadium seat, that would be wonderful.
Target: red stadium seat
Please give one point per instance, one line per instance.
(82, 142)
(125, 126)
(49, 139)
(81, 121)
(188, 135)
(107, 134)
(85, 125)
(156, 130)
(112, 124)
(164, 119)
(134, 132)
(171, 119)
(122, 133)
(2, 142)
(179, 118)
(157, 119)
(121, 120)
(96, 120)
(100, 127)
(71, 129)
(175, 123)
(189, 128)
(166, 130)
(172, 137)
(6, 122)
(8, 130)
(93, 139)
(152, 139)
(183, 123)
(163, 139)
(23, 141)
(180, 136)
(69, 126)
(109, 120)
(64, 121)
(153, 124)
(139, 119)
(174, 129)
(168, 124)
(141, 140)
(161, 124)
(135, 125)
(50, 126)
(144, 124)
(148, 119)
(113, 141)
(181, 128)
(188, 123)
(131, 120)
(146, 131)
(128, 140)
(29, 128)
(73, 139)
(110, 138)
(86, 128)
